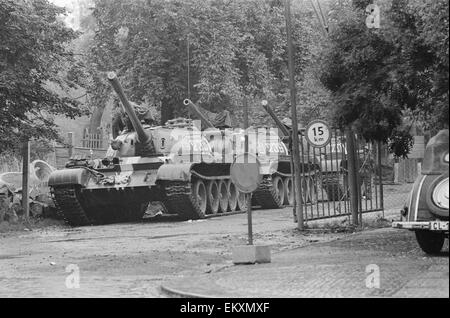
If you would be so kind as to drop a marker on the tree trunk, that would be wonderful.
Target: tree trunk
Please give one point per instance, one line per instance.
(96, 119)
(166, 111)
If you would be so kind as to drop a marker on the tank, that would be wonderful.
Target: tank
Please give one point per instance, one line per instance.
(270, 145)
(309, 165)
(178, 164)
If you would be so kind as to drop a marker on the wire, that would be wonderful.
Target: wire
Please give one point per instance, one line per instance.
(188, 72)
(325, 22)
(320, 17)
(188, 67)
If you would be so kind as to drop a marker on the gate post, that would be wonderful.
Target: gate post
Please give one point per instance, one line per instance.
(352, 175)
(380, 177)
(295, 138)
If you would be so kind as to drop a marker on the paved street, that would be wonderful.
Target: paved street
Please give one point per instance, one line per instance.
(340, 268)
(135, 260)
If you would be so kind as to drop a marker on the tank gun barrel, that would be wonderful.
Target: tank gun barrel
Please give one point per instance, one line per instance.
(194, 108)
(278, 122)
(142, 135)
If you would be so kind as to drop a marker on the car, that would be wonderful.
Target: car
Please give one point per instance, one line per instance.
(427, 210)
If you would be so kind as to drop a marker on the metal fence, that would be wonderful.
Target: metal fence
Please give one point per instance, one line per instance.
(326, 193)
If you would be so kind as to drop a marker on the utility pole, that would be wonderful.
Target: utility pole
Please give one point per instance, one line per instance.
(25, 179)
(295, 139)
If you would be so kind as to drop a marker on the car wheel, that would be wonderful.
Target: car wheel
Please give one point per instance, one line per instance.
(430, 242)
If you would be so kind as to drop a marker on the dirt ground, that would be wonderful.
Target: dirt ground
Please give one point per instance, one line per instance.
(131, 260)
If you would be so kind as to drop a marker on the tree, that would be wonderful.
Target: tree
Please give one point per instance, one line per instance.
(375, 75)
(236, 49)
(33, 52)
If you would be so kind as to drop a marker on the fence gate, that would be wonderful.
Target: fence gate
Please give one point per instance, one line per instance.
(326, 194)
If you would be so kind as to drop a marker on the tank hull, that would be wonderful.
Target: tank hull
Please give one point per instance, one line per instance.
(122, 192)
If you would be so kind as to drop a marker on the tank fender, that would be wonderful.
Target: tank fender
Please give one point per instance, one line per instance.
(174, 172)
(69, 177)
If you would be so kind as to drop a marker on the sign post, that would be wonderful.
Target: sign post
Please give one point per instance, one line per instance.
(249, 219)
(245, 174)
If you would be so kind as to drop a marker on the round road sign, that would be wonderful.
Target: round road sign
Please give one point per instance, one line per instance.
(318, 133)
(245, 173)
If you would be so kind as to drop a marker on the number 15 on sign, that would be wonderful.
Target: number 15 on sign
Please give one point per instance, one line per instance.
(318, 133)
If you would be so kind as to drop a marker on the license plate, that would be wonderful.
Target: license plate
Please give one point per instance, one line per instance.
(439, 226)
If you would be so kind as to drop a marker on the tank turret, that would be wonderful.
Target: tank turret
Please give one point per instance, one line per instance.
(206, 123)
(143, 139)
(283, 128)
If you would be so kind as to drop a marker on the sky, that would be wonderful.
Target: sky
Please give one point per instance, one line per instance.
(71, 19)
(61, 3)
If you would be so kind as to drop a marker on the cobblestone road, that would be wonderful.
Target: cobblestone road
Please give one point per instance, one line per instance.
(134, 260)
(341, 268)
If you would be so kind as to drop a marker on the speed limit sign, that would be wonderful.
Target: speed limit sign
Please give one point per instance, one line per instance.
(318, 134)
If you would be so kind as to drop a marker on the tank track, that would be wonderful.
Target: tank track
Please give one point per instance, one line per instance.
(69, 207)
(266, 195)
(179, 200)
(333, 187)
(66, 201)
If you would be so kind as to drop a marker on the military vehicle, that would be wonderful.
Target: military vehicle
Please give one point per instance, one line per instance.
(176, 164)
(427, 209)
(309, 165)
(330, 162)
(276, 189)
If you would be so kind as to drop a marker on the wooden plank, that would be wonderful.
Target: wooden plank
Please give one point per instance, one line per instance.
(408, 170)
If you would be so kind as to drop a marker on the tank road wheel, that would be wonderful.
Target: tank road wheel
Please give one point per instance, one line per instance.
(288, 191)
(232, 196)
(430, 242)
(333, 188)
(312, 191)
(199, 198)
(278, 186)
(223, 196)
(242, 201)
(304, 183)
(270, 194)
(213, 197)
